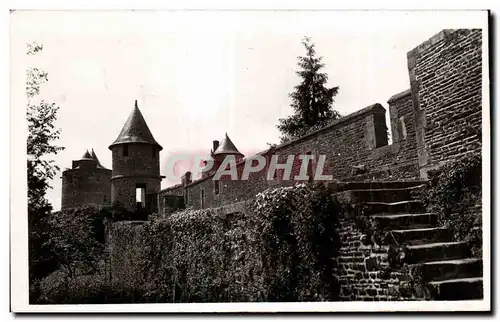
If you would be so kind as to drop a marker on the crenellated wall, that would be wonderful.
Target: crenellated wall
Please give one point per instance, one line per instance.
(435, 121)
(356, 140)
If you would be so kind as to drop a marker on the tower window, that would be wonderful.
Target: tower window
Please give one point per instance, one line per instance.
(140, 195)
(154, 152)
(202, 199)
(125, 150)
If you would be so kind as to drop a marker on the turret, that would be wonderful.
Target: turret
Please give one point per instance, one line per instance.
(136, 165)
(225, 148)
(86, 183)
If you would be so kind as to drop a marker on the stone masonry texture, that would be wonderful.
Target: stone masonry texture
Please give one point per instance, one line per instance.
(141, 166)
(435, 121)
(358, 279)
(85, 185)
(446, 85)
(356, 139)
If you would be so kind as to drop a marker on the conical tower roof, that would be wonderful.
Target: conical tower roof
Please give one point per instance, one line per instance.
(86, 156)
(227, 147)
(135, 130)
(94, 156)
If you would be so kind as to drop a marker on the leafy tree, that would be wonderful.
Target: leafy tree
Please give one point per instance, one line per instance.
(312, 100)
(41, 134)
(72, 240)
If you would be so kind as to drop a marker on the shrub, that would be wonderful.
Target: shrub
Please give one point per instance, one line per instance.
(73, 245)
(200, 256)
(281, 248)
(456, 185)
(90, 289)
(298, 242)
(455, 194)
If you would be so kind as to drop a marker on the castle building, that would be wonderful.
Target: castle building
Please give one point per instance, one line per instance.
(432, 124)
(86, 183)
(221, 150)
(135, 179)
(225, 148)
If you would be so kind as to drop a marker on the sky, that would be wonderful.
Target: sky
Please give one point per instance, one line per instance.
(199, 74)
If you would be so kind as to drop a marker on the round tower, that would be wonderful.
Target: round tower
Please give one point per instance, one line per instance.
(225, 148)
(135, 179)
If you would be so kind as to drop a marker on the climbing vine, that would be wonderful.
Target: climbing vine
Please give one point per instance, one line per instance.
(298, 241)
(455, 193)
(280, 248)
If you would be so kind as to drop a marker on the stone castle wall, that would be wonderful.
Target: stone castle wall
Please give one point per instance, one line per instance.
(140, 166)
(446, 86)
(142, 160)
(359, 277)
(358, 139)
(437, 120)
(86, 185)
(123, 191)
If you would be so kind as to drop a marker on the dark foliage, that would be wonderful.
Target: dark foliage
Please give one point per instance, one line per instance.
(455, 193)
(95, 294)
(72, 247)
(117, 213)
(41, 135)
(299, 240)
(453, 182)
(280, 249)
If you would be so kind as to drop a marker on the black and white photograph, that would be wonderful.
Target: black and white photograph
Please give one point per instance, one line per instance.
(249, 161)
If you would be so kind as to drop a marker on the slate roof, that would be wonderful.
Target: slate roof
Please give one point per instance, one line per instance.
(227, 147)
(135, 130)
(86, 156)
(94, 156)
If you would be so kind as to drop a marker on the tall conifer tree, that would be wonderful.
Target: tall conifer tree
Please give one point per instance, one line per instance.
(311, 100)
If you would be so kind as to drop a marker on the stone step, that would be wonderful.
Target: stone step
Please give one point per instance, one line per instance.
(437, 251)
(458, 289)
(385, 173)
(423, 235)
(400, 207)
(390, 221)
(383, 195)
(452, 269)
(344, 186)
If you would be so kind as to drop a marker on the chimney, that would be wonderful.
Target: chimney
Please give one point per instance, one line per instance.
(186, 178)
(215, 145)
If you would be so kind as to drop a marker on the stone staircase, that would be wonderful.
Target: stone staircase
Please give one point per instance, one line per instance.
(445, 264)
